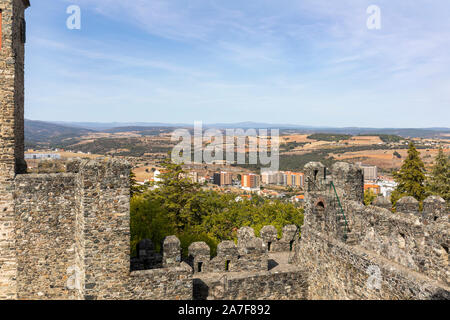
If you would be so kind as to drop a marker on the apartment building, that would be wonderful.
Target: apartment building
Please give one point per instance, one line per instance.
(250, 181)
(288, 178)
(370, 172)
(226, 178)
(295, 179)
(271, 177)
(223, 178)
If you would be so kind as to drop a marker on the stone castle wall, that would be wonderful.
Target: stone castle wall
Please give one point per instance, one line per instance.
(72, 238)
(288, 284)
(105, 213)
(170, 283)
(337, 271)
(11, 133)
(404, 238)
(45, 226)
(347, 248)
(12, 62)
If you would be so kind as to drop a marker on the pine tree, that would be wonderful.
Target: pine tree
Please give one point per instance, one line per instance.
(135, 187)
(178, 195)
(439, 181)
(410, 177)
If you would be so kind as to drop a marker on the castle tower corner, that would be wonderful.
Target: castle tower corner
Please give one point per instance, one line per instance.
(12, 54)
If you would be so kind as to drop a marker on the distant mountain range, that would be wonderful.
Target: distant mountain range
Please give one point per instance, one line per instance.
(50, 132)
(41, 131)
(102, 126)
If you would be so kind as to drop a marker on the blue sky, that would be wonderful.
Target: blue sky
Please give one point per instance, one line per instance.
(310, 62)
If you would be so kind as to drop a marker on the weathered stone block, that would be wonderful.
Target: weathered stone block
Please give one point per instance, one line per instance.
(382, 202)
(434, 207)
(269, 236)
(407, 205)
(199, 256)
(171, 251)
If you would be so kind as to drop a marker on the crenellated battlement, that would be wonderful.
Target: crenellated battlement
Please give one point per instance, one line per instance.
(326, 192)
(238, 271)
(408, 239)
(255, 268)
(250, 254)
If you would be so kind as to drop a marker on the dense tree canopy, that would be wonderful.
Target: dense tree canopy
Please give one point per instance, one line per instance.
(178, 206)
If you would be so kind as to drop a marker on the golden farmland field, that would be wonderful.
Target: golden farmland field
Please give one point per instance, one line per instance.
(143, 173)
(385, 159)
(363, 140)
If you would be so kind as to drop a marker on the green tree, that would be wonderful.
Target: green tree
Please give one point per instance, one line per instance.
(177, 194)
(148, 220)
(410, 177)
(439, 181)
(369, 196)
(136, 188)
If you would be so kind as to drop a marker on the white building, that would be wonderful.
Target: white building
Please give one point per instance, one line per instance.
(386, 187)
(156, 177)
(274, 177)
(43, 156)
(269, 177)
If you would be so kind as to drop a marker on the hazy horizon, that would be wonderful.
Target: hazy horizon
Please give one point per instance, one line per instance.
(249, 123)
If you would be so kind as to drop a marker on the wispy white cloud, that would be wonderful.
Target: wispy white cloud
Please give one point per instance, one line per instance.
(121, 60)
